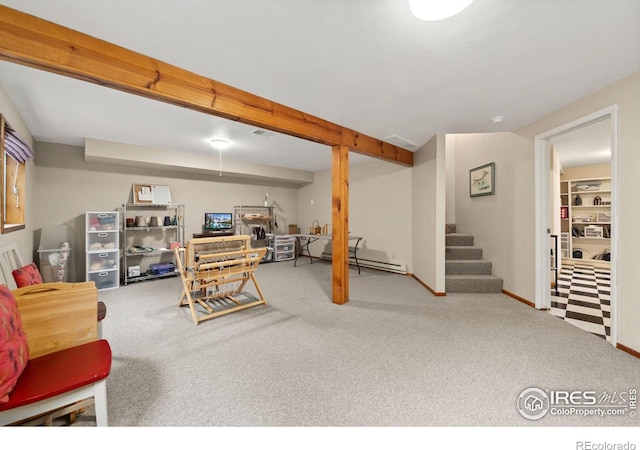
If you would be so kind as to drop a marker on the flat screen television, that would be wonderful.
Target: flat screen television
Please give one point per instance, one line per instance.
(218, 221)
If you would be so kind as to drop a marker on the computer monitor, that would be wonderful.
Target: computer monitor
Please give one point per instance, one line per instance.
(218, 221)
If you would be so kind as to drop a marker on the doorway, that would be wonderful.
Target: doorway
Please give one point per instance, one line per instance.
(586, 280)
(581, 221)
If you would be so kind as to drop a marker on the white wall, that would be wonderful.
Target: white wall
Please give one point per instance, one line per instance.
(67, 187)
(626, 95)
(503, 223)
(592, 171)
(314, 203)
(380, 204)
(379, 209)
(428, 205)
(450, 158)
(115, 153)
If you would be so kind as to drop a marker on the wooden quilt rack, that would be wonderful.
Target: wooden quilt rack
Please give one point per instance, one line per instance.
(214, 272)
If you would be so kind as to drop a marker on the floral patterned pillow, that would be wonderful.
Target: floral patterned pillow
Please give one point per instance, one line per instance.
(14, 351)
(27, 275)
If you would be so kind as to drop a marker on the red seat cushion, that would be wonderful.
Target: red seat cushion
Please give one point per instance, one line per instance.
(14, 350)
(59, 372)
(27, 275)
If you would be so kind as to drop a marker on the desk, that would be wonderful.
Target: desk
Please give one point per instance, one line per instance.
(305, 239)
(206, 234)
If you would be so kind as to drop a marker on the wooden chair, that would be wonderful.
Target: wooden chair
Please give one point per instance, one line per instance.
(58, 384)
(214, 273)
(68, 366)
(9, 261)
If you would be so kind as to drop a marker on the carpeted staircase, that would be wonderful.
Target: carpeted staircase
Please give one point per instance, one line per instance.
(465, 270)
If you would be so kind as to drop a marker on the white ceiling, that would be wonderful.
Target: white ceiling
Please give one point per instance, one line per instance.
(585, 146)
(365, 64)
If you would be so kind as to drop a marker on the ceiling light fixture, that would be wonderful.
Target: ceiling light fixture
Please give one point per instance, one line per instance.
(497, 119)
(437, 9)
(220, 144)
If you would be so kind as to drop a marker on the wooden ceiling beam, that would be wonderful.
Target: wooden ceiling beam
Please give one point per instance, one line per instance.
(35, 42)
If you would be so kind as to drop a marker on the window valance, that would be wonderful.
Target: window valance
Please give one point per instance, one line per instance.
(14, 146)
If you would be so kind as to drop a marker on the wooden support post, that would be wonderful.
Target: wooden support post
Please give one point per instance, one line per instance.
(340, 223)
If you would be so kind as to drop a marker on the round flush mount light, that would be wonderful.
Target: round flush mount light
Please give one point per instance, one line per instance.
(497, 119)
(437, 9)
(220, 144)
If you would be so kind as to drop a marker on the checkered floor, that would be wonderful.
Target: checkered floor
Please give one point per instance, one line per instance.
(584, 298)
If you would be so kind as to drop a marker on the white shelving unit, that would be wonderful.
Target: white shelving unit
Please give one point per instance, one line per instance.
(588, 221)
(146, 244)
(249, 219)
(102, 249)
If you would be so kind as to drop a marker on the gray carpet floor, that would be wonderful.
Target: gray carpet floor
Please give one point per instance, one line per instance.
(394, 355)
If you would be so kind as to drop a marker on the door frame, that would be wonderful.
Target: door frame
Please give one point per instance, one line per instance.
(542, 206)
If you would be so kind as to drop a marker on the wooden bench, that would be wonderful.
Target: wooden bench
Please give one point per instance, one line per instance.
(68, 366)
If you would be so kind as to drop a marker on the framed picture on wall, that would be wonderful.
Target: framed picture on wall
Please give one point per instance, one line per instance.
(482, 180)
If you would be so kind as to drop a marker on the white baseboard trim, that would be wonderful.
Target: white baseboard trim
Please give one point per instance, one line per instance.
(380, 265)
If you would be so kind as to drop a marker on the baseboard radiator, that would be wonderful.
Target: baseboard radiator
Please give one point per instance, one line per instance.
(371, 264)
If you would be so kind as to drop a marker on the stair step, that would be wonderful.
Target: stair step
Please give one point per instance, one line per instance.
(468, 267)
(464, 252)
(452, 227)
(458, 240)
(473, 283)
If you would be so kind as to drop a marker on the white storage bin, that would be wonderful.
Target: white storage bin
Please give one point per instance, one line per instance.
(102, 221)
(105, 279)
(592, 231)
(54, 264)
(102, 241)
(102, 248)
(287, 256)
(54, 254)
(102, 261)
(284, 247)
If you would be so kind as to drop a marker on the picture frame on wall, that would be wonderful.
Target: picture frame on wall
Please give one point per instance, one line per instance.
(482, 180)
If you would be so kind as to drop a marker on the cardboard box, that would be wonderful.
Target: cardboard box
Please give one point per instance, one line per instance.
(133, 271)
